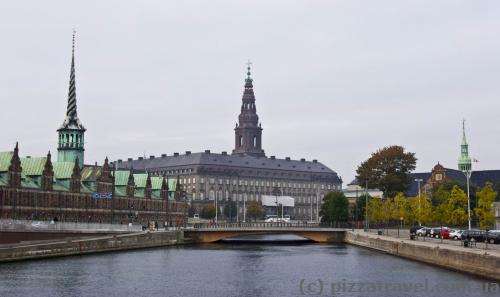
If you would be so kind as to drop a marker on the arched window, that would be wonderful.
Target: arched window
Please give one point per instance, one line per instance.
(211, 195)
(241, 140)
(255, 141)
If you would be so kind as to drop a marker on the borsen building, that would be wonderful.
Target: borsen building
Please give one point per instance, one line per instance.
(247, 173)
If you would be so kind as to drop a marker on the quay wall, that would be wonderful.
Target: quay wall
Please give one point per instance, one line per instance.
(69, 247)
(483, 263)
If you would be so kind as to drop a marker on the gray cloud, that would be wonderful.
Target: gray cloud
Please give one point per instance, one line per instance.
(334, 80)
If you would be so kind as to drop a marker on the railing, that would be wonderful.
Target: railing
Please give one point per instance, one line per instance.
(41, 226)
(255, 225)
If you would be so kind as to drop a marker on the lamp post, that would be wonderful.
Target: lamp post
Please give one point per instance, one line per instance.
(276, 193)
(366, 206)
(465, 165)
(419, 180)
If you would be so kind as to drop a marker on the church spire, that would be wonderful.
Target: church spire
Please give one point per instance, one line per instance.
(248, 132)
(464, 162)
(71, 111)
(71, 132)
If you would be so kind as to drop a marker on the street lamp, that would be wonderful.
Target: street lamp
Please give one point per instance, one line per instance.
(366, 205)
(419, 180)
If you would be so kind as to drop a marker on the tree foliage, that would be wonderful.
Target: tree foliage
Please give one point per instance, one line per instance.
(388, 169)
(230, 210)
(358, 210)
(254, 210)
(335, 208)
(484, 210)
(208, 212)
(422, 209)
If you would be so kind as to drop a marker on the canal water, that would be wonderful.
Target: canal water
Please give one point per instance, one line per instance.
(289, 268)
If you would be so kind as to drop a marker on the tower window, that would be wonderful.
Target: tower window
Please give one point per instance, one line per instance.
(255, 141)
(241, 141)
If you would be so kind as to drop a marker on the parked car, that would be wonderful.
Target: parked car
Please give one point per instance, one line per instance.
(456, 234)
(493, 236)
(474, 235)
(444, 233)
(435, 232)
(423, 231)
(415, 228)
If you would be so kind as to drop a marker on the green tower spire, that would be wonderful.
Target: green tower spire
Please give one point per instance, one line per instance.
(71, 132)
(464, 162)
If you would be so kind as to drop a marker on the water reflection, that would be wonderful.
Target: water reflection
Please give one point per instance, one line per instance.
(230, 269)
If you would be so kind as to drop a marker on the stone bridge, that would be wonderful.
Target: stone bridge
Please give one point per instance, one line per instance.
(206, 233)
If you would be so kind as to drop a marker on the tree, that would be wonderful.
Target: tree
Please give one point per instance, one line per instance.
(230, 210)
(441, 193)
(485, 210)
(497, 189)
(375, 210)
(388, 169)
(454, 210)
(208, 212)
(422, 209)
(359, 208)
(401, 208)
(254, 210)
(335, 208)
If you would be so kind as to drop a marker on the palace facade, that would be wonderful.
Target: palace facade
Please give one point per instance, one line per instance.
(246, 174)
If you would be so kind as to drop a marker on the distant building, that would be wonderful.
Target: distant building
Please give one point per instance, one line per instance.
(440, 174)
(354, 190)
(246, 174)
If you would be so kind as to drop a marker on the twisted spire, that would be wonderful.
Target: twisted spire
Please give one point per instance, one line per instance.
(464, 139)
(71, 112)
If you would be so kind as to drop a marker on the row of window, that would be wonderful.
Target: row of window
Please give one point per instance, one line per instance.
(261, 183)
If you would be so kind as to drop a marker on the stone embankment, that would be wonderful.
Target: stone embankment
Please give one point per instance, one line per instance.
(480, 262)
(80, 246)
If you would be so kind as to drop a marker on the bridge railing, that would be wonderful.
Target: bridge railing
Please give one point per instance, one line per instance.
(257, 225)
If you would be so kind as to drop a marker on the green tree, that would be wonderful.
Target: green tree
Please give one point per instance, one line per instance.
(254, 210)
(230, 210)
(497, 189)
(358, 210)
(485, 210)
(401, 208)
(455, 208)
(388, 169)
(335, 208)
(375, 210)
(208, 212)
(441, 192)
(422, 209)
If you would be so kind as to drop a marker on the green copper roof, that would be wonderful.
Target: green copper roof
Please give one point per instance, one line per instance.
(33, 165)
(140, 180)
(121, 177)
(4, 179)
(90, 173)
(156, 182)
(63, 170)
(5, 158)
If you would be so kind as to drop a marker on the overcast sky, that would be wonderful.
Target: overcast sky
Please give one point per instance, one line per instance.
(334, 80)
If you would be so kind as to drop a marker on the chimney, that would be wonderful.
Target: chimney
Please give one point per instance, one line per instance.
(224, 153)
(302, 160)
(130, 159)
(188, 152)
(287, 158)
(151, 157)
(207, 151)
(140, 158)
(273, 157)
(176, 154)
(120, 160)
(163, 155)
(315, 161)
